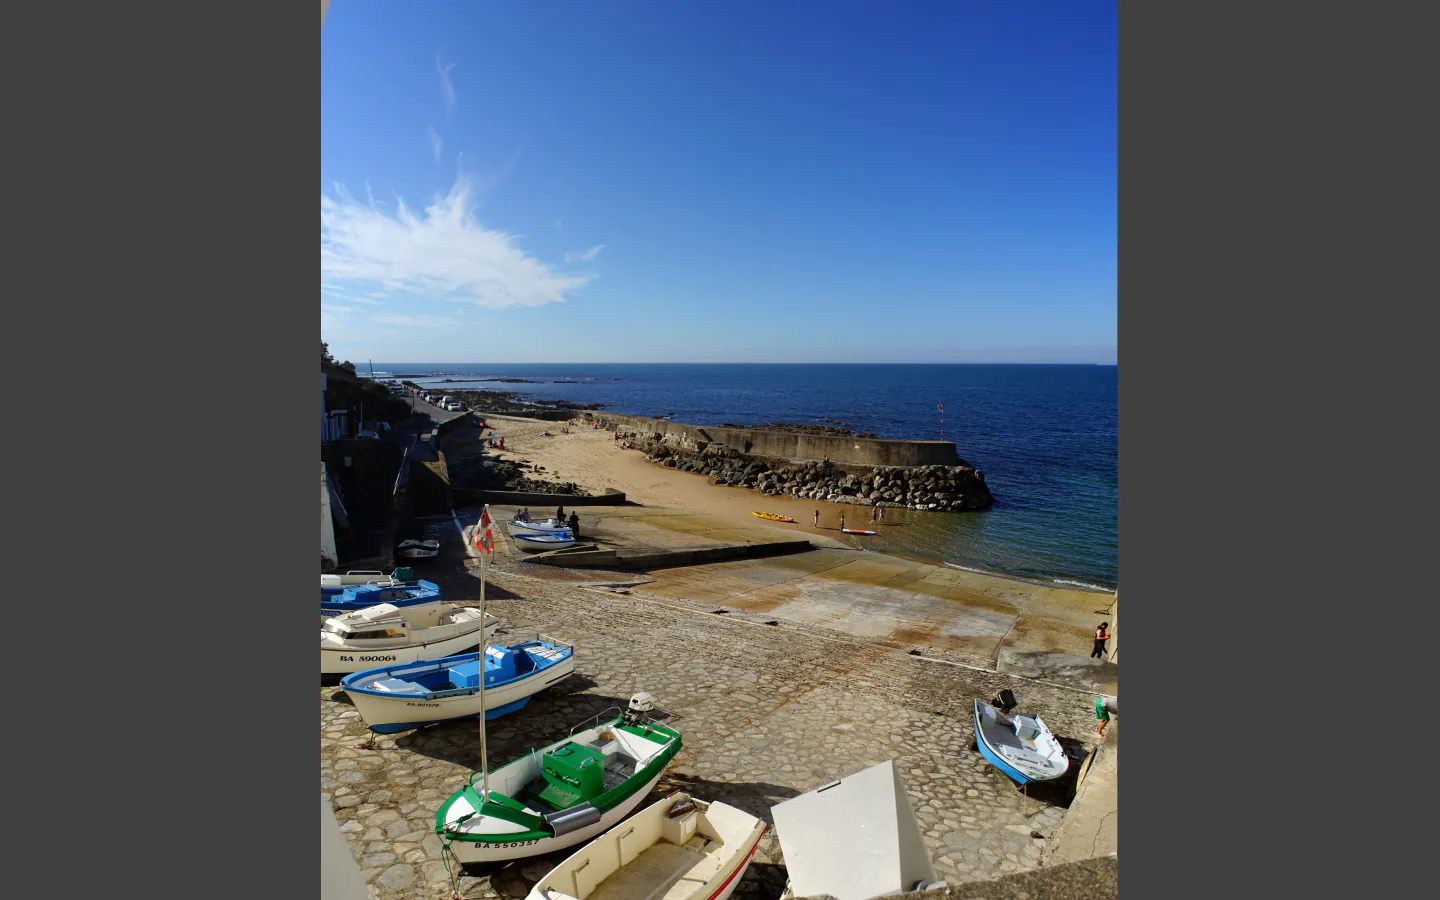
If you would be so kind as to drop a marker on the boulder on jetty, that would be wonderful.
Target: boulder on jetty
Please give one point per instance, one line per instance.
(941, 488)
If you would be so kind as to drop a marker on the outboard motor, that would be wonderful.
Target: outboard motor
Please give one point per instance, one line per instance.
(1005, 701)
(640, 706)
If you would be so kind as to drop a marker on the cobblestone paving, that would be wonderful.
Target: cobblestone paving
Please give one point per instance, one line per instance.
(766, 713)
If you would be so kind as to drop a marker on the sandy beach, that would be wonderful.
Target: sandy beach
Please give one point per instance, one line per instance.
(1050, 620)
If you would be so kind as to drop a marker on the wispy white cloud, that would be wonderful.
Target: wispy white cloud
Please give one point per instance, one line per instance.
(440, 252)
(422, 321)
(447, 87)
(339, 310)
(437, 143)
(584, 255)
(560, 222)
(370, 299)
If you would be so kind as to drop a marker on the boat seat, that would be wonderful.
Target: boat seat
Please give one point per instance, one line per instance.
(396, 684)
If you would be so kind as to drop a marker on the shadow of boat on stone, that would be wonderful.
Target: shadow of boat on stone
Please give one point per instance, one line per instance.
(547, 718)
(753, 797)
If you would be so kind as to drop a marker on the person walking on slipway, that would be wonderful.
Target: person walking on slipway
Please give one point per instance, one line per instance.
(1102, 635)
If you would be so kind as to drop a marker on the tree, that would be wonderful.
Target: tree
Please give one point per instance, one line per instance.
(325, 357)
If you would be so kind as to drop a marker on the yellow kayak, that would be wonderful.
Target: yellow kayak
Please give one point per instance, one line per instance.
(772, 517)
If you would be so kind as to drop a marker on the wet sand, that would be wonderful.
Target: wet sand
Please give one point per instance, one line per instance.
(1036, 619)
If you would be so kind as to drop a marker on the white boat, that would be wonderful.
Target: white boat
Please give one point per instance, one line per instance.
(418, 549)
(855, 838)
(1018, 745)
(387, 634)
(398, 698)
(561, 795)
(544, 526)
(540, 542)
(331, 585)
(677, 849)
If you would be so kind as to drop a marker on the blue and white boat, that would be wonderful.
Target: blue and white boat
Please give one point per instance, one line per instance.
(361, 596)
(333, 585)
(399, 698)
(1018, 745)
(542, 526)
(540, 542)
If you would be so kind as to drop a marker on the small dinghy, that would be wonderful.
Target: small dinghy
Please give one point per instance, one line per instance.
(364, 596)
(772, 517)
(539, 542)
(1018, 745)
(418, 549)
(398, 698)
(677, 849)
(387, 633)
(560, 795)
(857, 531)
(544, 526)
(330, 585)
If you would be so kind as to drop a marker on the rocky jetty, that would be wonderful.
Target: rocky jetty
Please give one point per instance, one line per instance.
(941, 488)
(510, 403)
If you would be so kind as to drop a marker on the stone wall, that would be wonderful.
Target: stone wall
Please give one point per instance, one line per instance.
(943, 488)
(783, 445)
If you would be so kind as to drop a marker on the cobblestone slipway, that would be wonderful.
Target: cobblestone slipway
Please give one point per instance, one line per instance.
(766, 713)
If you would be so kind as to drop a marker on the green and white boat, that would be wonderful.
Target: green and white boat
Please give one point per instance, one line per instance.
(562, 795)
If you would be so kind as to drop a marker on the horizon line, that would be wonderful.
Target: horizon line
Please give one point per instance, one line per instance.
(572, 362)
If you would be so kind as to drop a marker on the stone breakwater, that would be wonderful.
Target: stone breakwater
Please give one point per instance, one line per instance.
(941, 488)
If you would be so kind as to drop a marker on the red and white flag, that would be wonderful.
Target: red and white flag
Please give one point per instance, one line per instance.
(482, 535)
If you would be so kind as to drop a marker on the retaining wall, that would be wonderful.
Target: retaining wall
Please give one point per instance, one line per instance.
(659, 559)
(784, 445)
(518, 498)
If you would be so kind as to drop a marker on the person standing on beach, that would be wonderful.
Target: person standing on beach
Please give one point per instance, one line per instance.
(574, 526)
(815, 522)
(560, 513)
(842, 521)
(1102, 635)
(1105, 707)
(874, 515)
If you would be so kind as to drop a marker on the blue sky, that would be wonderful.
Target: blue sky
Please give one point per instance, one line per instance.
(719, 182)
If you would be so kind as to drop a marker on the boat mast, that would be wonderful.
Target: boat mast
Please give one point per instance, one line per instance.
(484, 655)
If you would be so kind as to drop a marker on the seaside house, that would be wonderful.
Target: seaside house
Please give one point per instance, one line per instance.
(339, 403)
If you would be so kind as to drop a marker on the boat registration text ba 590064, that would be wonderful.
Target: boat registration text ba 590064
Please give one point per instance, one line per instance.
(391, 658)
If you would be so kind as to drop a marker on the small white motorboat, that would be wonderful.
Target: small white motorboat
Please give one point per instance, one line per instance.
(677, 849)
(540, 542)
(543, 526)
(389, 634)
(1018, 745)
(418, 549)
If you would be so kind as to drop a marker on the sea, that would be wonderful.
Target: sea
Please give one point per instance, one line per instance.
(1046, 437)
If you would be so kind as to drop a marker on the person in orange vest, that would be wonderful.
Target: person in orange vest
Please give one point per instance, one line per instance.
(1102, 635)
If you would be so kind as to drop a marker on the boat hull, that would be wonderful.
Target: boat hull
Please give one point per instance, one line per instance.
(538, 544)
(717, 886)
(344, 661)
(479, 852)
(393, 714)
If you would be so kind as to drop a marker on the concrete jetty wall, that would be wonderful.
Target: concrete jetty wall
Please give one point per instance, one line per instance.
(646, 558)
(520, 498)
(788, 445)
